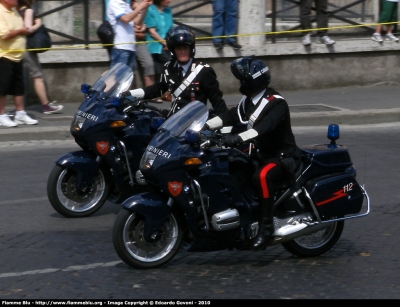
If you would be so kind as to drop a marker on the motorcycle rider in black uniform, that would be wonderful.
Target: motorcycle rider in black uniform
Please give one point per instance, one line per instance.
(202, 85)
(267, 117)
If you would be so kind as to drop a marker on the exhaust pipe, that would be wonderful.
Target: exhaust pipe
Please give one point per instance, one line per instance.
(290, 232)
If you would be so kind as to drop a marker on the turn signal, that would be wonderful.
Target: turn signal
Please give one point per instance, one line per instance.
(193, 161)
(118, 123)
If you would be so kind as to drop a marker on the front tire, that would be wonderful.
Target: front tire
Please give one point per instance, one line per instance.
(70, 202)
(134, 250)
(317, 243)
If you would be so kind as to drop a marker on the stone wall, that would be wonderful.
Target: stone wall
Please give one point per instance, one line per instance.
(348, 62)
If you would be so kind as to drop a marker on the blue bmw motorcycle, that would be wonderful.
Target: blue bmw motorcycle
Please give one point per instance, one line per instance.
(113, 131)
(205, 200)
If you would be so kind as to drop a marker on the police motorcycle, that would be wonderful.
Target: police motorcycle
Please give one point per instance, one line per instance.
(113, 128)
(206, 200)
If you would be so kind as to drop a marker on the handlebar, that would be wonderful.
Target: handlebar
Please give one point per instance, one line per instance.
(210, 138)
(131, 103)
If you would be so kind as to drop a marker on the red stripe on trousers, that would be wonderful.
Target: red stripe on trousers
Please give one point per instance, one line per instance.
(263, 179)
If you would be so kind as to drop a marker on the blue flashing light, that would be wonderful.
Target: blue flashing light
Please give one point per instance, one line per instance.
(116, 101)
(333, 133)
(156, 122)
(191, 136)
(85, 88)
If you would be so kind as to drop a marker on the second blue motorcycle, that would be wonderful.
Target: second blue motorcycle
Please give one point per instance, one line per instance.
(113, 131)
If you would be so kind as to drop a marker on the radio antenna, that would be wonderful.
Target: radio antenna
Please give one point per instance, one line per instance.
(365, 166)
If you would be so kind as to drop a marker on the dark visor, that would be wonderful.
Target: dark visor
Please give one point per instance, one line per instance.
(242, 68)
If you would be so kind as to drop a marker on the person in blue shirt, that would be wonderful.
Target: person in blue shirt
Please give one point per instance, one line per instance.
(159, 21)
(121, 17)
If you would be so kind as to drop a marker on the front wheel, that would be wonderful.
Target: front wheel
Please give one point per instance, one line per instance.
(134, 250)
(70, 202)
(317, 243)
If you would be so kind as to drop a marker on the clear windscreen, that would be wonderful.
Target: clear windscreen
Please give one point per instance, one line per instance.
(115, 81)
(193, 116)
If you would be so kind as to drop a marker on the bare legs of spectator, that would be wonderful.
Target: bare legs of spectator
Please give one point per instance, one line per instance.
(389, 14)
(40, 89)
(148, 80)
(18, 101)
(377, 36)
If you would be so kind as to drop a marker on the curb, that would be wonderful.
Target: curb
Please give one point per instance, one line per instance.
(347, 117)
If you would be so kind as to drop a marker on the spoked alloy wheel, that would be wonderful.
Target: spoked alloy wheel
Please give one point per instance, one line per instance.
(134, 250)
(69, 201)
(317, 243)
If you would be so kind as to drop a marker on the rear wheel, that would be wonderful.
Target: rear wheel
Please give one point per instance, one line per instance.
(70, 202)
(134, 250)
(317, 243)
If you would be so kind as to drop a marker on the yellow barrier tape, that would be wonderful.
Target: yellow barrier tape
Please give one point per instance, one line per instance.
(86, 46)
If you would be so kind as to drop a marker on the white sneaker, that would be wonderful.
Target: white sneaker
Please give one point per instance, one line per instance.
(376, 37)
(325, 40)
(391, 37)
(6, 121)
(306, 40)
(22, 118)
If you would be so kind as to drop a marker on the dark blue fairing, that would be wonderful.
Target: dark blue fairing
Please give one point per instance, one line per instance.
(153, 207)
(83, 163)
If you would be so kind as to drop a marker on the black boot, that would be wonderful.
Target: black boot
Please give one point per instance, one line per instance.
(265, 224)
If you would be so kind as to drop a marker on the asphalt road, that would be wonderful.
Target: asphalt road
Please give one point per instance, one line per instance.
(46, 256)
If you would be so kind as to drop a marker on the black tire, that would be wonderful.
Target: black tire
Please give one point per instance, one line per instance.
(69, 202)
(316, 243)
(133, 249)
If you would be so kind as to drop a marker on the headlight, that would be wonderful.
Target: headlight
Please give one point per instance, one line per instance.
(77, 122)
(147, 160)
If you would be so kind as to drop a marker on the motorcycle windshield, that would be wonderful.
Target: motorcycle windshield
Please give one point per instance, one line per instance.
(193, 116)
(114, 81)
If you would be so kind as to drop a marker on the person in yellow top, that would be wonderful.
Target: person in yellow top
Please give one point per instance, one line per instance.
(12, 47)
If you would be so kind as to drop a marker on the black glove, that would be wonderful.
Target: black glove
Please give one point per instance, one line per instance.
(205, 127)
(126, 94)
(164, 112)
(231, 140)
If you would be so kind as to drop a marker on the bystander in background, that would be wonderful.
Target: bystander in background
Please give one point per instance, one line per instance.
(159, 21)
(144, 59)
(121, 17)
(31, 61)
(389, 14)
(321, 7)
(224, 23)
(12, 45)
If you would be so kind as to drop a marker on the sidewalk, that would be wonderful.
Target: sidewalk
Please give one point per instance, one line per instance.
(379, 103)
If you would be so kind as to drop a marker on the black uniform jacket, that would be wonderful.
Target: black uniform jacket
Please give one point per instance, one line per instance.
(275, 136)
(203, 87)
